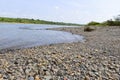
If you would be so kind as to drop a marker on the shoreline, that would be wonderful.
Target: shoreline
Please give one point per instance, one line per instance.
(97, 58)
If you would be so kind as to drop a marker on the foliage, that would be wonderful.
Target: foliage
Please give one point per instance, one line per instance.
(93, 23)
(111, 23)
(33, 21)
(114, 22)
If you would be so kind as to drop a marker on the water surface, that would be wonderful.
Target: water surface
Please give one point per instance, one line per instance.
(29, 35)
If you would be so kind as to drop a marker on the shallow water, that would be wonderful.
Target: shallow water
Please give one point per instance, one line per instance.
(29, 35)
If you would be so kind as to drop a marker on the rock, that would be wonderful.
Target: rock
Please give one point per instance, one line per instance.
(87, 78)
(97, 74)
(104, 51)
(1, 79)
(1, 75)
(65, 78)
(31, 78)
(91, 74)
(12, 77)
(5, 63)
(68, 48)
(37, 77)
(59, 73)
(96, 50)
(16, 62)
(47, 77)
(27, 71)
(6, 76)
(88, 29)
(100, 78)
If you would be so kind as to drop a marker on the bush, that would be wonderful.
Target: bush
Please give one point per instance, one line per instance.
(112, 23)
(89, 29)
(93, 23)
(115, 22)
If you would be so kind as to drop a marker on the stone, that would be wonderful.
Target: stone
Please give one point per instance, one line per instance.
(37, 77)
(96, 50)
(47, 77)
(68, 48)
(59, 73)
(87, 78)
(100, 78)
(1, 79)
(1, 75)
(31, 78)
(27, 71)
(65, 78)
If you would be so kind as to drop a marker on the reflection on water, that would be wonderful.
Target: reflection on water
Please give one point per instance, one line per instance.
(29, 35)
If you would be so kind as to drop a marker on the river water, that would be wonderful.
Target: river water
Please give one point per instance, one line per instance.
(29, 35)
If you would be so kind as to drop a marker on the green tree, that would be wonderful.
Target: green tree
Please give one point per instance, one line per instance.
(93, 23)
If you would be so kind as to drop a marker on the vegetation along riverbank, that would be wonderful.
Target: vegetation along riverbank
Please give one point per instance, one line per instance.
(34, 21)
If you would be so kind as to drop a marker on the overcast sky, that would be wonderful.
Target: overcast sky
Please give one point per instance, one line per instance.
(74, 11)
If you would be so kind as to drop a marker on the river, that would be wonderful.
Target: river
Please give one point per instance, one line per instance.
(30, 35)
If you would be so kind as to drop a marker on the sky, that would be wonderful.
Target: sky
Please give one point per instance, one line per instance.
(70, 11)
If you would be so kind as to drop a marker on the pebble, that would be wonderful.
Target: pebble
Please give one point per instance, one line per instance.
(87, 78)
(31, 78)
(37, 77)
(47, 77)
(1, 75)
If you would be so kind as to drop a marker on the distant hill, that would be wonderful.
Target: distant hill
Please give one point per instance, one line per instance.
(34, 21)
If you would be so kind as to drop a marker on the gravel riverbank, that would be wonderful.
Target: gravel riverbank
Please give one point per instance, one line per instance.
(98, 58)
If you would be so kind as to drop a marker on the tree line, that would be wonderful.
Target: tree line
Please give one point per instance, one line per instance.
(34, 21)
(111, 22)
